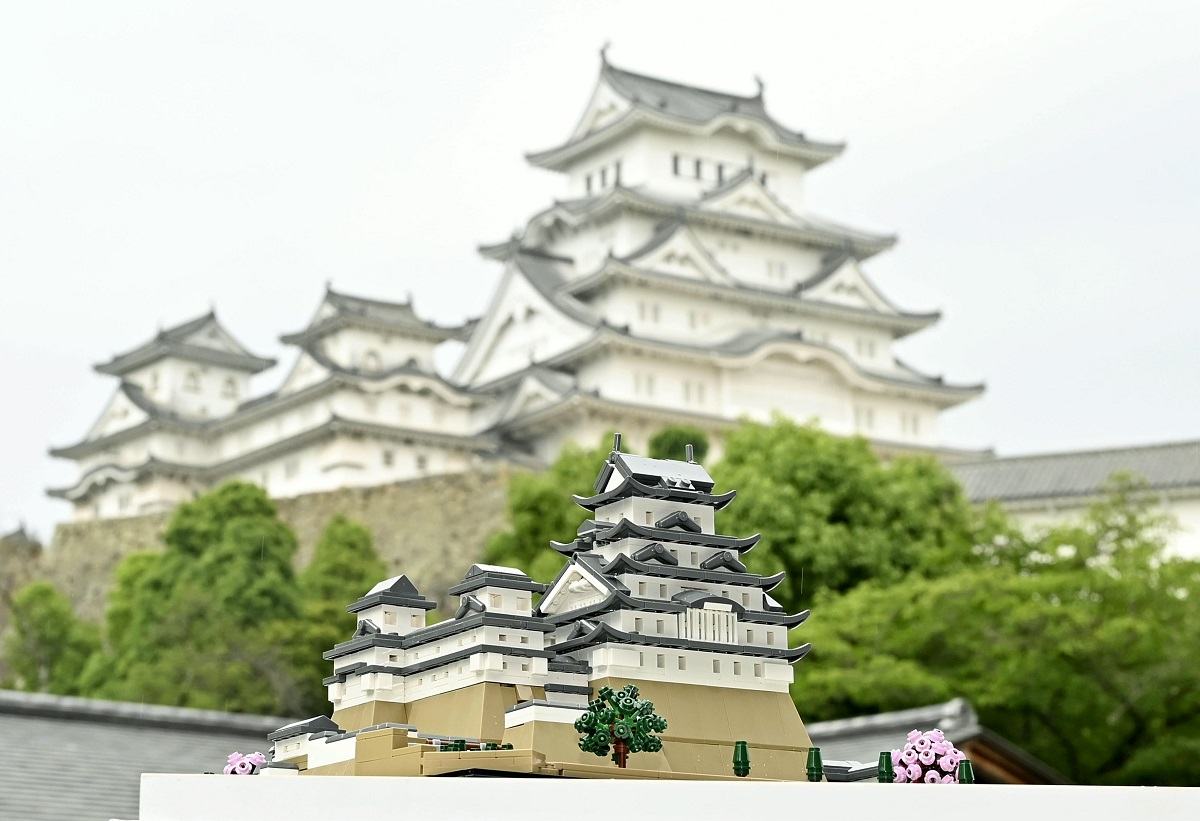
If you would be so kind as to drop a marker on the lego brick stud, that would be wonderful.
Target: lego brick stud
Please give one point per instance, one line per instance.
(966, 773)
(816, 770)
(690, 453)
(616, 443)
(741, 753)
(885, 773)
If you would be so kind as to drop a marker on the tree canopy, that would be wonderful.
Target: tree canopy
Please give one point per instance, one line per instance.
(833, 515)
(672, 442)
(343, 568)
(1078, 645)
(208, 622)
(46, 645)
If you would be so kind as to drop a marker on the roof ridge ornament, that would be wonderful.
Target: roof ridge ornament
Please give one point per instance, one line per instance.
(758, 81)
(604, 52)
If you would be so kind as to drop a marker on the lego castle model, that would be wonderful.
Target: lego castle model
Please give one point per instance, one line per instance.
(682, 278)
(651, 595)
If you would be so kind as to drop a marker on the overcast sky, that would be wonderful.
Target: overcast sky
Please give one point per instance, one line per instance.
(1038, 160)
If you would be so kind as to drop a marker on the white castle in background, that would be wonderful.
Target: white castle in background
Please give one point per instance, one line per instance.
(681, 280)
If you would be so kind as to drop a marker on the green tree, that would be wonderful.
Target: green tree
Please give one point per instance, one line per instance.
(1078, 645)
(672, 442)
(344, 567)
(210, 622)
(540, 510)
(833, 515)
(47, 644)
(622, 721)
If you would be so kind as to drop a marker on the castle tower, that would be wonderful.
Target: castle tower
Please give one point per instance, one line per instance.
(653, 594)
(683, 277)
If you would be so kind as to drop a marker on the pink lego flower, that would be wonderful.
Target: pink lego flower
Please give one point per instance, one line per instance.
(922, 744)
(914, 771)
(936, 735)
(895, 758)
(909, 756)
(901, 776)
(947, 763)
(238, 764)
(949, 779)
(932, 777)
(926, 757)
(913, 736)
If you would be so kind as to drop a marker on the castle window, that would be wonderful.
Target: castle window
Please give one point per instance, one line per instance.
(662, 591)
(525, 667)
(522, 604)
(758, 670)
(864, 417)
(503, 637)
(762, 179)
(749, 637)
(649, 517)
(587, 183)
(770, 638)
(662, 661)
(641, 659)
(191, 382)
(422, 461)
(524, 639)
(637, 625)
(496, 601)
(290, 468)
(393, 657)
(682, 663)
(603, 177)
(389, 617)
(415, 621)
(389, 458)
(745, 599)
(737, 668)
(229, 388)
(658, 626)
(675, 164)
(641, 588)
(720, 173)
(617, 173)
(716, 665)
(698, 166)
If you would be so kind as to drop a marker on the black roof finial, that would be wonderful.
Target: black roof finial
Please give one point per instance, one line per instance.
(690, 453)
(758, 81)
(616, 443)
(604, 52)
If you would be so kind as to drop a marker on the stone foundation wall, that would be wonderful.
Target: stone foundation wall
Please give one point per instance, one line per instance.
(432, 529)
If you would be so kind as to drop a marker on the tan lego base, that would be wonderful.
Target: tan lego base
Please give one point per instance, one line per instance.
(703, 724)
(470, 712)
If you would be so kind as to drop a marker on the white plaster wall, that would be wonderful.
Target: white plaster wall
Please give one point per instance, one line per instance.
(746, 673)
(1184, 541)
(370, 350)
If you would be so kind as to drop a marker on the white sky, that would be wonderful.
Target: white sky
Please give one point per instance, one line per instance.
(1038, 161)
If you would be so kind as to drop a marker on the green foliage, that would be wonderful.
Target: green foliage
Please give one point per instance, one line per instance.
(1078, 645)
(47, 645)
(210, 622)
(540, 510)
(832, 515)
(672, 442)
(620, 717)
(344, 567)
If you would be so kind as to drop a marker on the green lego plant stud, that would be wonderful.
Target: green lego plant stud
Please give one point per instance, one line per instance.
(966, 772)
(886, 773)
(816, 770)
(622, 722)
(741, 759)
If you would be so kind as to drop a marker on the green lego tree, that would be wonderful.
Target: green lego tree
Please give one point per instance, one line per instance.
(622, 722)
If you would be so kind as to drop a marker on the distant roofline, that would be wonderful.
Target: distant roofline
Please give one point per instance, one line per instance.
(127, 713)
(169, 342)
(735, 107)
(1057, 454)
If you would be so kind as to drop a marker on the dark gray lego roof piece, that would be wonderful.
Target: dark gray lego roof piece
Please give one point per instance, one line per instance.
(654, 552)
(316, 724)
(401, 593)
(491, 578)
(625, 529)
(437, 661)
(631, 488)
(724, 559)
(622, 564)
(436, 632)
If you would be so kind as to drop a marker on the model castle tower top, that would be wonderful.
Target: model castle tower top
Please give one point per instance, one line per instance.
(652, 594)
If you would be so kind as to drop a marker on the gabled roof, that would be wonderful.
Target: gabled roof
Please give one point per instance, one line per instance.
(631, 487)
(338, 310)
(398, 591)
(1166, 467)
(808, 230)
(490, 575)
(691, 109)
(622, 564)
(658, 472)
(203, 339)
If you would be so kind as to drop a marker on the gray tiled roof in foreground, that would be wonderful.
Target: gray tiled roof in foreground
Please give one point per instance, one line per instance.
(1168, 466)
(76, 759)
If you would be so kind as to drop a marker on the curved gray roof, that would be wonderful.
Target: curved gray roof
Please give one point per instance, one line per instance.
(355, 311)
(172, 342)
(690, 104)
(1170, 466)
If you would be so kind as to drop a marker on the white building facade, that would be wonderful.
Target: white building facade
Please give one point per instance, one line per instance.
(681, 279)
